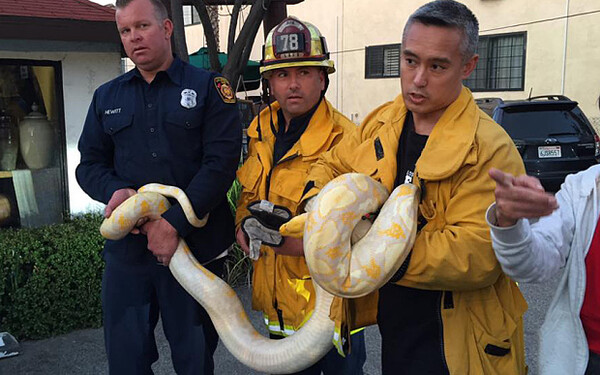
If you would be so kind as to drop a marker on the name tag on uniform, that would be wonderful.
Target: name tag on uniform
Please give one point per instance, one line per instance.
(113, 111)
(188, 98)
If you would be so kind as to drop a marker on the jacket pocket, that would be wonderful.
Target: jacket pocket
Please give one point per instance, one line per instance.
(365, 160)
(119, 128)
(289, 184)
(249, 173)
(186, 119)
(114, 124)
(184, 129)
(495, 352)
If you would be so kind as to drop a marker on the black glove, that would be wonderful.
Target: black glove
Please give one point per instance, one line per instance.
(262, 227)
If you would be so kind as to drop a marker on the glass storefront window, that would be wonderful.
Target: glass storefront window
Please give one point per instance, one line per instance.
(33, 188)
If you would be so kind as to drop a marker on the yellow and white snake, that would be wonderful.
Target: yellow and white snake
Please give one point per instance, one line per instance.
(336, 267)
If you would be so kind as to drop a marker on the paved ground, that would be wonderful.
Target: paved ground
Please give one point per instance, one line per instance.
(82, 352)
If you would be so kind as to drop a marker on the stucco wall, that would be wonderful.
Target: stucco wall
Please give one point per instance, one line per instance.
(350, 26)
(82, 73)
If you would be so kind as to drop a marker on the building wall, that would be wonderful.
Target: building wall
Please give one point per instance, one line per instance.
(554, 64)
(82, 74)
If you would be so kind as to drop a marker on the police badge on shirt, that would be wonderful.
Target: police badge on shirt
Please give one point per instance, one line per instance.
(188, 98)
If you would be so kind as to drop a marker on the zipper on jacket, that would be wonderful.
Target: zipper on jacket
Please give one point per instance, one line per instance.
(268, 188)
(441, 326)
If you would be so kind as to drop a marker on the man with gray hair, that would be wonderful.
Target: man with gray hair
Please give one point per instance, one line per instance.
(449, 309)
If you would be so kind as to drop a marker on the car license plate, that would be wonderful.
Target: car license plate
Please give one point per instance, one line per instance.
(549, 152)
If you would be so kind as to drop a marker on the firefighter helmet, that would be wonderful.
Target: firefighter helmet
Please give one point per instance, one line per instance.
(294, 43)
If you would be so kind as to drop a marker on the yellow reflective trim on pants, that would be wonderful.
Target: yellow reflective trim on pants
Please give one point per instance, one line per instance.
(337, 339)
(275, 328)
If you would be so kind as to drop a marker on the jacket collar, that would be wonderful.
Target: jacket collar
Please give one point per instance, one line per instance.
(451, 139)
(317, 133)
(174, 72)
(314, 137)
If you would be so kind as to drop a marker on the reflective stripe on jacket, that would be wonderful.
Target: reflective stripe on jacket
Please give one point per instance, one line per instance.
(482, 327)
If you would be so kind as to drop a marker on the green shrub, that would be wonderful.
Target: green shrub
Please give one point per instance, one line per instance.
(51, 277)
(233, 195)
(51, 280)
(238, 267)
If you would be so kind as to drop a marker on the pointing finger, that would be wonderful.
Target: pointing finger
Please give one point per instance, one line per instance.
(501, 178)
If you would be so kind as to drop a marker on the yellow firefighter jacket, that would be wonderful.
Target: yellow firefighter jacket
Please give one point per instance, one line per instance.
(453, 251)
(282, 286)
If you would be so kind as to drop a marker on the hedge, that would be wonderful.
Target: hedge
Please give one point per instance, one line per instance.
(51, 280)
(51, 277)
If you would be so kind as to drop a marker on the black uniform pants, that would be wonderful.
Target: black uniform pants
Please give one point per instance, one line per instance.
(133, 296)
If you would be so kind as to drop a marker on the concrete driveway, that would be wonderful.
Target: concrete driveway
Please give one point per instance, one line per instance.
(82, 352)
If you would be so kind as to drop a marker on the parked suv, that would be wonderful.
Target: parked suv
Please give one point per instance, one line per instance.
(552, 134)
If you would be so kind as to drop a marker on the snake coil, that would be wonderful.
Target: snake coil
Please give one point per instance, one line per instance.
(363, 268)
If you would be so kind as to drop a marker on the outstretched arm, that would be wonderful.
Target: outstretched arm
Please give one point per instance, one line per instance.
(529, 252)
(521, 197)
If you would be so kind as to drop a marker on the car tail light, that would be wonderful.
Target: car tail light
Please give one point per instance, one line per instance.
(597, 145)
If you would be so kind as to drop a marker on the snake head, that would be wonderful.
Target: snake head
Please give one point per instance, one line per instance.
(295, 227)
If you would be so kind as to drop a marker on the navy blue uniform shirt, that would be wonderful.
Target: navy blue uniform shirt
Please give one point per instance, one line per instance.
(178, 130)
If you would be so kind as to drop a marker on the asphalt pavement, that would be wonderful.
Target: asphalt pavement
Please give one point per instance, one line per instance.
(82, 352)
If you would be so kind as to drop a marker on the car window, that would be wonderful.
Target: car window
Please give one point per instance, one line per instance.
(543, 124)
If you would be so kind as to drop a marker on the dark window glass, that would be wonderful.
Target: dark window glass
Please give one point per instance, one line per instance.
(501, 65)
(382, 61)
(33, 189)
(544, 124)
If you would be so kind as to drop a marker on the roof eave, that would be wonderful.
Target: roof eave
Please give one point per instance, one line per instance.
(37, 28)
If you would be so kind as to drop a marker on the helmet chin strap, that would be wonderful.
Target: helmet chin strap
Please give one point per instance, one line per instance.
(326, 84)
(266, 98)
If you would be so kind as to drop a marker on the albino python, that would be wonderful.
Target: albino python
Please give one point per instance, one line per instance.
(334, 265)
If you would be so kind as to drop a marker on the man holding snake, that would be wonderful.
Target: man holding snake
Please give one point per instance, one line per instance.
(285, 139)
(164, 122)
(449, 309)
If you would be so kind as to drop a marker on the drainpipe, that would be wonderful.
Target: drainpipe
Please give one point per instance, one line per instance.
(339, 66)
(341, 59)
(564, 67)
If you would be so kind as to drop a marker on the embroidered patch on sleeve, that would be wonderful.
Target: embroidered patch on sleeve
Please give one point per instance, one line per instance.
(224, 89)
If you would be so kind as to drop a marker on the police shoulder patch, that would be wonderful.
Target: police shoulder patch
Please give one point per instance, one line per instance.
(224, 89)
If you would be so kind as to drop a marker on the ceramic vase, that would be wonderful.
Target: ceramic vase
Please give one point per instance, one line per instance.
(36, 139)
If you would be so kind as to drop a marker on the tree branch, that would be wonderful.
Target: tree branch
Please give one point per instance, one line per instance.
(180, 45)
(209, 32)
(235, 13)
(238, 56)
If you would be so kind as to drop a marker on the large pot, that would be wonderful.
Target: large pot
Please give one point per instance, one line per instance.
(36, 138)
